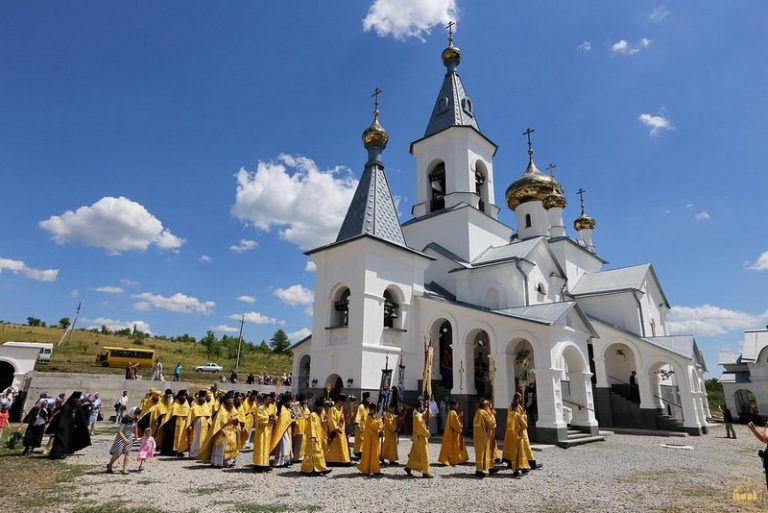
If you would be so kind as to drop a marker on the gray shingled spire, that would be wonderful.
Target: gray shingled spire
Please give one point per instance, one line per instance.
(372, 211)
(453, 106)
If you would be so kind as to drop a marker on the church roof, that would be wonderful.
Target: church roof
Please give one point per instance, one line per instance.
(453, 106)
(547, 313)
(684, 345)
(372, 211)
(514, 250)
(614, 280)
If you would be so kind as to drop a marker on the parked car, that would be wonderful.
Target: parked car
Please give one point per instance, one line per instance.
(209, 367)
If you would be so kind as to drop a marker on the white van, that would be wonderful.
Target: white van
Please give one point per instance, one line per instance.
(46, 349)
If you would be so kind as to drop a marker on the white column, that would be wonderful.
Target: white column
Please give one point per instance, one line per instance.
(581, 393)
(549, 399)
(601, 373)
(690, 415)
(503, 392)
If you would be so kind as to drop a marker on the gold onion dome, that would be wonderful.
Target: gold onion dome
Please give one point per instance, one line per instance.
(584, 222)
(451, 55)
(554, 200)
(375, 135)
(533, 186)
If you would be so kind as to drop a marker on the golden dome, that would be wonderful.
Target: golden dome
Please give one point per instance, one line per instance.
(532, 186)
(375, 135)
(584, 222)
(554, 200)
(450, 54)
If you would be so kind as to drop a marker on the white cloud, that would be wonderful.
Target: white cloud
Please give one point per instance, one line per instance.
(176, 303)
(761, 264)
(129, 283)
(223, 328)
(655, 123)
(109, 289)
(19, 267)
(585, 46)
(74, 293)
(256, 318)
(205, 259)
(622, 47)
(708, 320)
(310, 267)
(287, 193)
(689, 205)
(114, 324)
(658, 14)
(297, 335)
(244, 245)
(115, 224)
(295, 295)
(702, 216)
(246, 299)
(403, 19)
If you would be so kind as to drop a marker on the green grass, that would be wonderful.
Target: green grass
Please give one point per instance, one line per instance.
(207, 490)
(79, 353)
(115, 507)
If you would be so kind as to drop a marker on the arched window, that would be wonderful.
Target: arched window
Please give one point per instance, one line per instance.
(391, 310)
(341, 308)
(479, 181)
(437, 187)
(527, 220)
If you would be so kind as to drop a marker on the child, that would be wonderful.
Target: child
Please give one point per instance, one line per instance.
(147, 447)
(123, 441)
(3, 419)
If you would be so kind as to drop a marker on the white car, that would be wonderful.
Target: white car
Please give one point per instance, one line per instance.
(209, 367)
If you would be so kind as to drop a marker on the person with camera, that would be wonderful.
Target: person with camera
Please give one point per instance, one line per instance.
(763, 437)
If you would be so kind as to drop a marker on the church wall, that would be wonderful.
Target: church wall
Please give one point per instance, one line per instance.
(619, 309)
(574, 260)
(438, 271)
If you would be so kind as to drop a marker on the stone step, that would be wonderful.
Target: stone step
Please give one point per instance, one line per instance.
(578, 435)
(573, 442)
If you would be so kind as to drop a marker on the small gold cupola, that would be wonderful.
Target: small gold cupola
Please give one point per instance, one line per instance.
(533, 185)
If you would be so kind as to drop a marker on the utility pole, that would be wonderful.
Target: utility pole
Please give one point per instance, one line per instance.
(68, 332)
(240, 342)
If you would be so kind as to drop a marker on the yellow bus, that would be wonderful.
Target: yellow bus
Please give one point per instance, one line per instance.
(121, 357)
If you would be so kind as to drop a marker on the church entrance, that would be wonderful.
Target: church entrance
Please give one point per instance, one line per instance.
(481, 343)
(746, 404)
(620, 370)
(333, 385)
(580, 409)
(7, 372)
(520, 359)
(665, 392)
(304, 369)
(443, 333)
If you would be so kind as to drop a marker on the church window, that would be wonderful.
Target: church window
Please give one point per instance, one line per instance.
(391, 310)
(341, 308)
(442, 105)
(527, 220)
(541, 288)
(437, 187)
(466, 104)
(479, 181)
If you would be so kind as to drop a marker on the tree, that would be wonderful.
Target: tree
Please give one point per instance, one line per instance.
(33, 321)
(280, 342)
(263, 347)
(64, 322)
(211, 343)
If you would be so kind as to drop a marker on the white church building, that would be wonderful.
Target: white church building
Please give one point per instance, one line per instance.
(745, 376)
(532, 302)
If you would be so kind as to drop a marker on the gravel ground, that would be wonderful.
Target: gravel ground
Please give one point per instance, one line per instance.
(623, 474)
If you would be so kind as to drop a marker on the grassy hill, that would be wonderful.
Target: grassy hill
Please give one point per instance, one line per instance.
(79, 353)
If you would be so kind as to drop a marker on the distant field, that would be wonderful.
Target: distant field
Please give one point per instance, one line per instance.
(79, 353)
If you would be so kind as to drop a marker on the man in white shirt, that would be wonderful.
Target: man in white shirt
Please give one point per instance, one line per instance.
(120, 406)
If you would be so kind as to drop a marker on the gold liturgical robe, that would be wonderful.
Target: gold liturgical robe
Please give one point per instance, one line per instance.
(369, 462)
(389, 445)
(338, 446)
(282, 425)
(514, 444)
(314, 457)
(225, 431)
(262, 437)
(526, 441)
(452, 450)
(418, 458)
(360, 417)
(483, 426)
(179, 411)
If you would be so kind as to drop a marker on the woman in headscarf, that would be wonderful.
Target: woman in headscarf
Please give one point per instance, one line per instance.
(35, 420)
(123, 440)
(70, 429)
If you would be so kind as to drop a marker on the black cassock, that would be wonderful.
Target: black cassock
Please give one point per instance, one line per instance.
(70, 430)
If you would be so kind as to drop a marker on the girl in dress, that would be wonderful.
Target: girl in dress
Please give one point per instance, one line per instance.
(147, 448)
(123, 441)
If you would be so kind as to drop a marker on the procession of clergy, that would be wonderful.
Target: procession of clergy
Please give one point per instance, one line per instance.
(214, 426)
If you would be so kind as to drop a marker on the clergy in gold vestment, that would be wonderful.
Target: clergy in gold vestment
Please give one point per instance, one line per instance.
(418, 458)
(527, 443)
(150, 413)
(453, 450)
(198, 422)
(262, 437)
(371, 450)
(281, 444)
(389, 445)
(514, 444)
(249, 407)
(483, 426)
(360, 417)
(337, 451)
(172, 437)
(314, 431)
(301, 414)
(223, 443)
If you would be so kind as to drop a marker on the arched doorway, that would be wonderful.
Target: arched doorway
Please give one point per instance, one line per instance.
(576, 387)
(304, 369)
(481, 343)
(621, 371)
(333, 385)
(442, 332)
(746, 403)
(664, 389)
(7, 372)
(520, 358)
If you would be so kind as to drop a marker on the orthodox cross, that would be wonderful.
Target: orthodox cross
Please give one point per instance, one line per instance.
(551, 168)
(461, 377)
(527, 133)
(449, 28)
(581, 192)
(375, 96)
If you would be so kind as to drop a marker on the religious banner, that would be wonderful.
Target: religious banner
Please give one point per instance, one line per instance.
(384, 390)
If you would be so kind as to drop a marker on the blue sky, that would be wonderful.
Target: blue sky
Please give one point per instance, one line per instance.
(168, 163)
